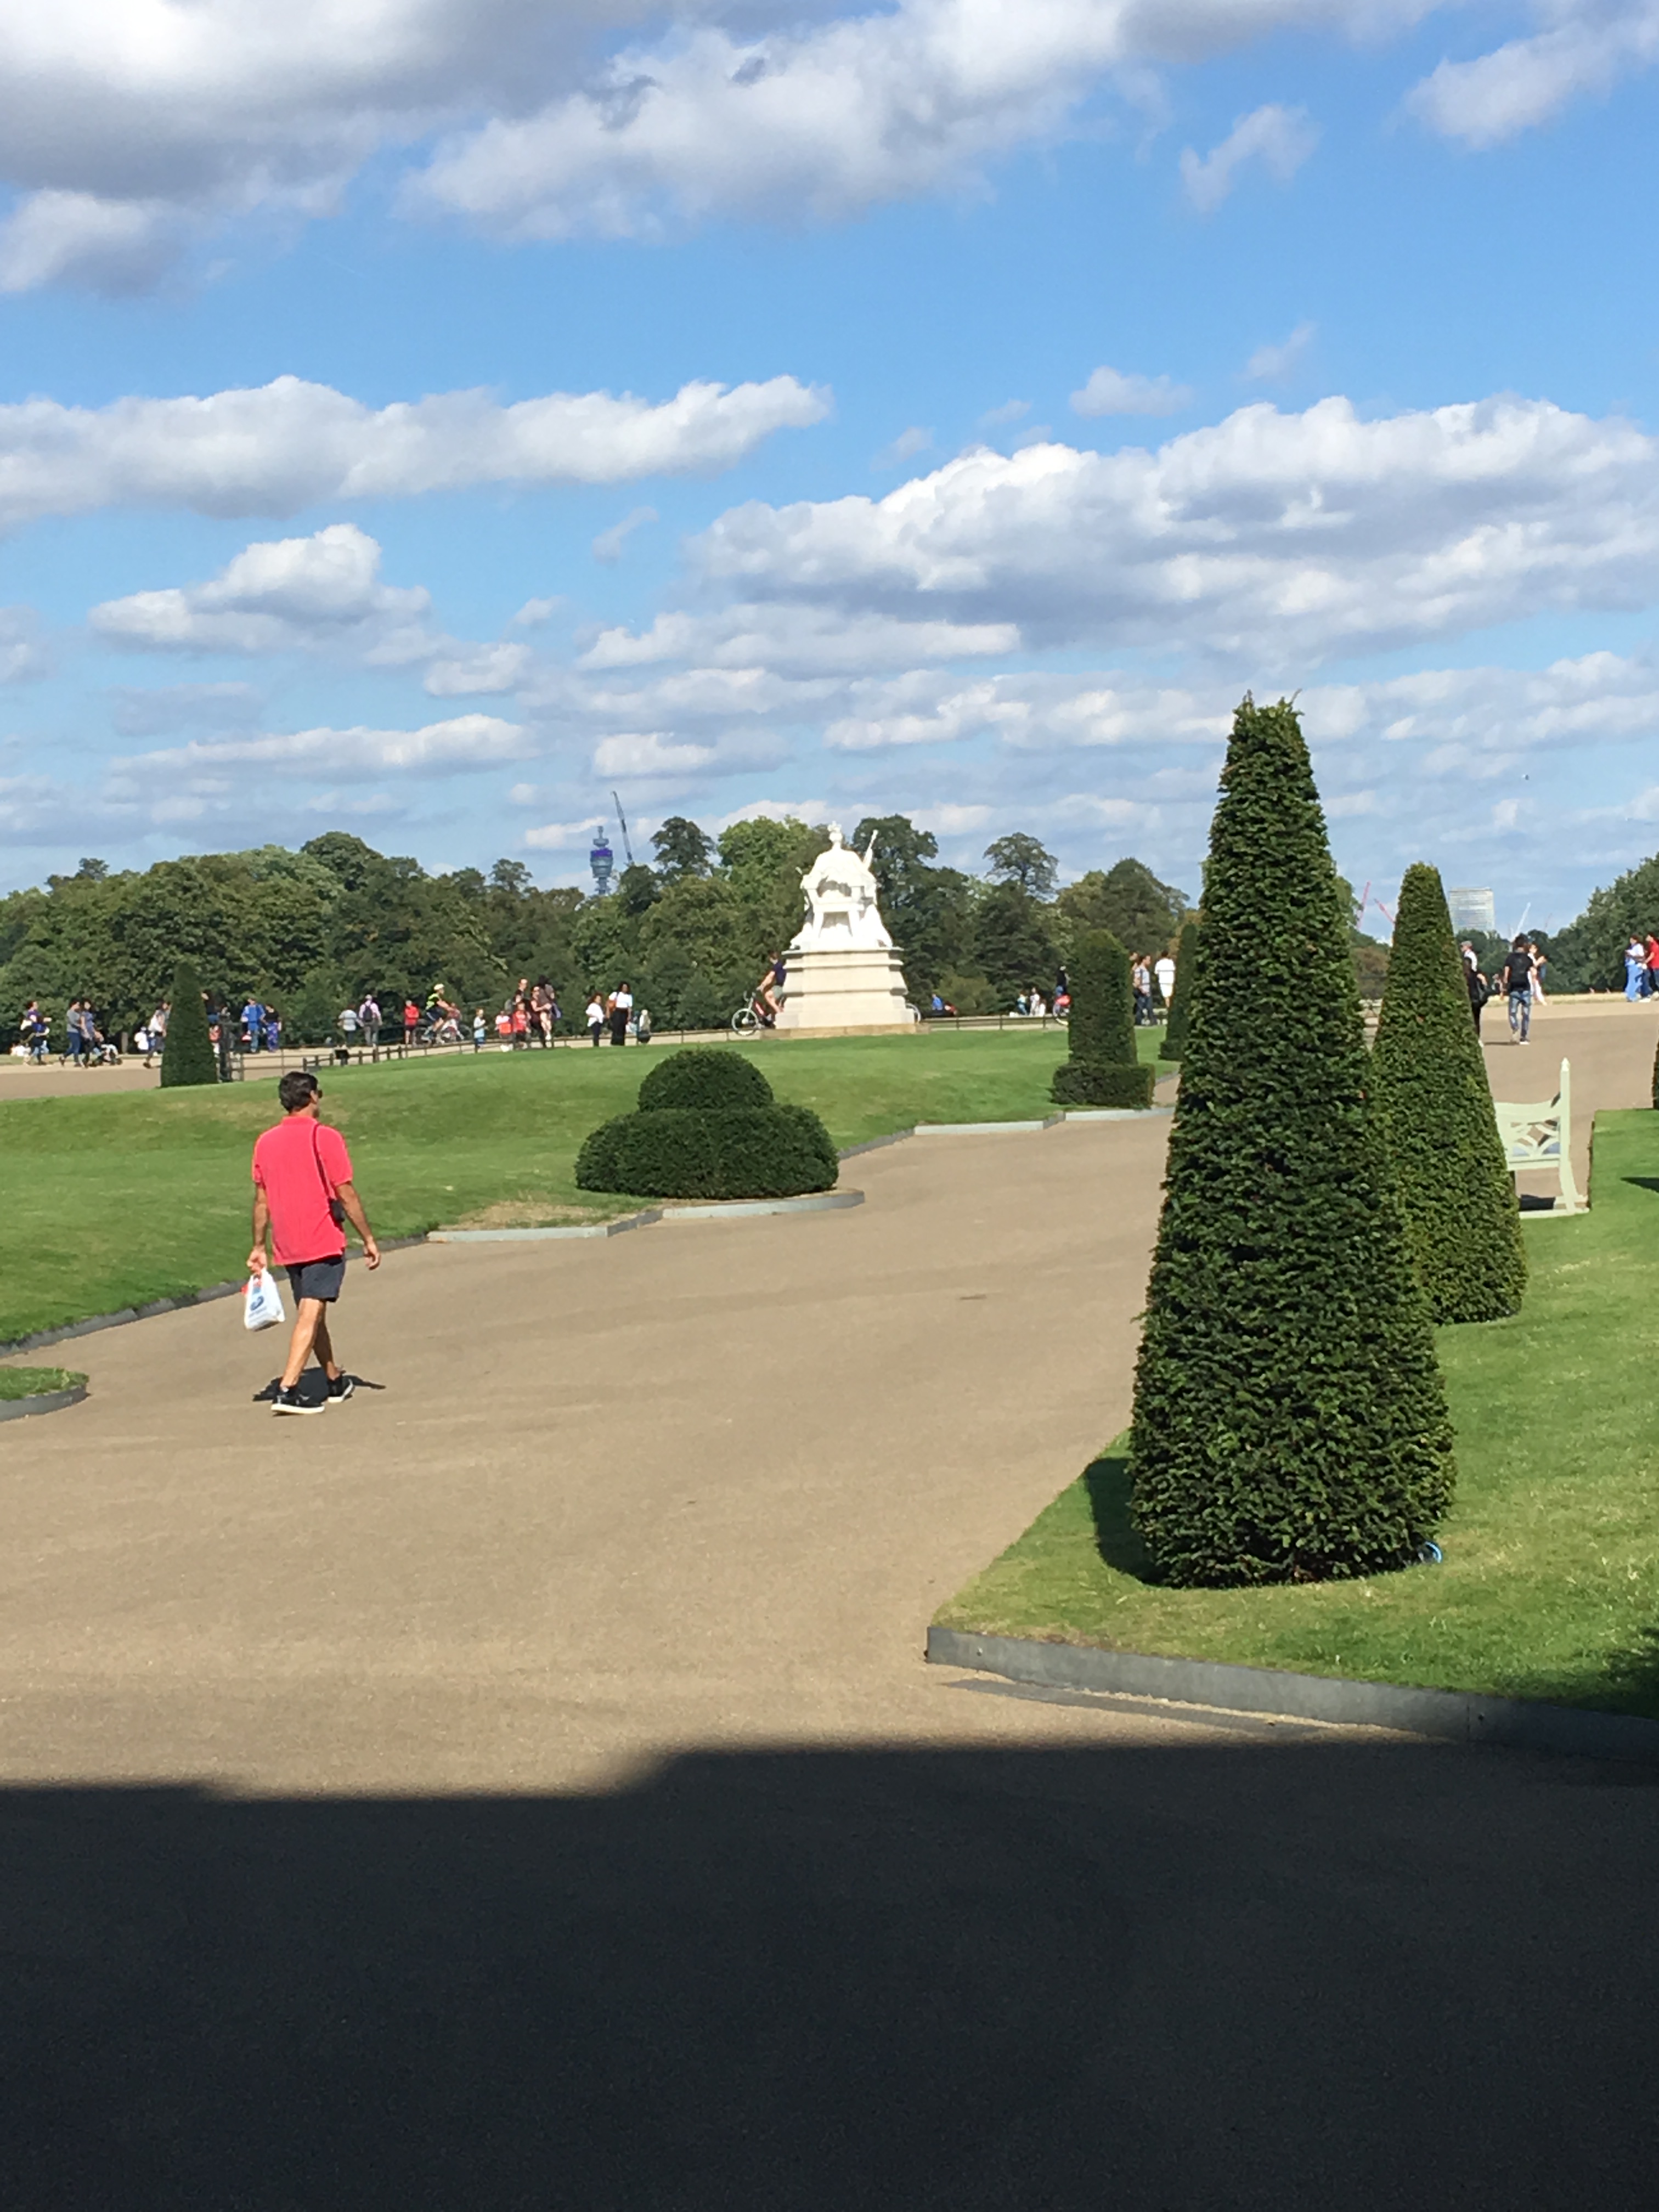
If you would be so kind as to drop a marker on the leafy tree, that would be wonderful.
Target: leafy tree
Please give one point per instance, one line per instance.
(1141, 912)
(1430, 1080)
(682, 849)
(1589, 954)
(187, 1056)
(1018, 859)
(929, 909)
(1290, 1423)
(1013, 947)
(764, 861)
(1180, 999)
(1103, 1068)
(637, 891)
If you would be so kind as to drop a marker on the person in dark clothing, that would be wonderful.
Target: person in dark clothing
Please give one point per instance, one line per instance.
(1517, 983)
(1478, 992)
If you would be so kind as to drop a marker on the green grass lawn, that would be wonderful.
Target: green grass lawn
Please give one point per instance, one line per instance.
(36, 1381)
(107, 1202)
(1550, 1587)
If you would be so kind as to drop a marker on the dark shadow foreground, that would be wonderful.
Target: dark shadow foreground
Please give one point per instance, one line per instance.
(1302, 1976)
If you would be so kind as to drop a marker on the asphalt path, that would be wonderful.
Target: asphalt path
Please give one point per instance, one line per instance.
(521, 1786)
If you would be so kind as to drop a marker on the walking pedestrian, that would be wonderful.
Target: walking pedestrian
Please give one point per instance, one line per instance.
(1635, 969)
(1478, 992)
(411, 1023)
(595, 1016)
(303, 1195)
(543, 1009)
(1141, 981)
(369, 1020)
(1653, 966)
(36, 1031)
(156, 1035)
(622, 1005)
(480, 1029)
(1517, 983)
(1164, 968)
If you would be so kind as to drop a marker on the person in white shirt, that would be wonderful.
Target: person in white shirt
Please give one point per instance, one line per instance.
(1164, 968)
(595, 1016)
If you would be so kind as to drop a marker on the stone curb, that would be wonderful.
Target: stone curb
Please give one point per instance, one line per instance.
(1117, 1113)
(874, 1144)
(1444, 1716)
(983, 1128)
(48, 1402)
(818, 1201)
(541, 1236)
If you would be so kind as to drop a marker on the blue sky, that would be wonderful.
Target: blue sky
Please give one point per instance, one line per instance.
(949, 408)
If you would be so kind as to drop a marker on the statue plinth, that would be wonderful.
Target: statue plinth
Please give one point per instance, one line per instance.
(844, 987)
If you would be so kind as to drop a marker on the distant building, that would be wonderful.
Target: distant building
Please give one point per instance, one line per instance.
(1472, 910)
(602, 860)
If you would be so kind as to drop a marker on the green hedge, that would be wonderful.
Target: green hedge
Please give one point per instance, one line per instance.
(1430, 1080)
(1290, 1421)
(1076, 1083)
(715, 1078)
(187, 1056)
(766, 1152)
(1180, 999)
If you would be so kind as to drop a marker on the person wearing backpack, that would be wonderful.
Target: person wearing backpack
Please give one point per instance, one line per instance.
(1479, 989)
(303, 1195)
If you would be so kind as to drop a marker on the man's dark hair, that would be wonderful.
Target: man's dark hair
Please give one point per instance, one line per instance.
(297, 1088)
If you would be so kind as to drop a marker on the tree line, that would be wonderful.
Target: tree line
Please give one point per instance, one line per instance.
(311, 932)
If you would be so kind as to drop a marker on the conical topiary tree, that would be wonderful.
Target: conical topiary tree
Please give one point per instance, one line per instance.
(1104, 1069)
(187, 1056)
(1289, 1422)
(1180, 999)
(1430, 1080)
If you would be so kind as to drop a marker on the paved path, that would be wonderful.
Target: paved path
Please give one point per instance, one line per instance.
(582, 1826)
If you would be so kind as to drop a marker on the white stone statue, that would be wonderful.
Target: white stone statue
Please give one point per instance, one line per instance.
(840, 900)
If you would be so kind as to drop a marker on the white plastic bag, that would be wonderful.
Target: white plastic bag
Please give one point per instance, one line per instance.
(262, 1301)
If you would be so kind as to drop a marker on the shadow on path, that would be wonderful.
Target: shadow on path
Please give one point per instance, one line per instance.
(1176, 1976)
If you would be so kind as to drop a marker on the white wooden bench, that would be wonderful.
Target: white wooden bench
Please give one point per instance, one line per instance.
(1540, 1136)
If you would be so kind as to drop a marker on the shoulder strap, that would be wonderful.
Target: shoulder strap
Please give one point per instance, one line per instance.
(316, 1159)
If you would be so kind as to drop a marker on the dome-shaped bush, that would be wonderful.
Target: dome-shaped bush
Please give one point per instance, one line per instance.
(766, 1152)
(707, 1077)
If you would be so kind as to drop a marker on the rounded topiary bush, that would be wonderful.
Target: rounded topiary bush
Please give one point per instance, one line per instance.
(1076, 1084)
(709, 1077)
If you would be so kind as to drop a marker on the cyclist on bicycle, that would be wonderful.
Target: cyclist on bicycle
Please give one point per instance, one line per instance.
(769, 990)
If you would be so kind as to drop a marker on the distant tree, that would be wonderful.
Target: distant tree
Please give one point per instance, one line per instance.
(1290, 1421)
(682, 849)
(1141, 912)
(1430, 1080)
(929, 909)
(763, 862)
(637, 890)
(1589, 954)
(1013, 943)
(1018, 859)
(513, 878)
(187, 1057)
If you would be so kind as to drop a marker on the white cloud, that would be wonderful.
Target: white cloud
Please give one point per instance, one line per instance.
(800, 641)
(950, 821)
(1582, 53)
(1113, 391)
(1280, 139)
(610, 544)
(321, 590)
(289, 444)
(469, 741)
(1275, 538)
(557, 836)
(1476, 719)
(648, 753)
(1012, 411)
(1269, 362)
(23, 654)
(905, 448)
(534, 612)
(477, 669)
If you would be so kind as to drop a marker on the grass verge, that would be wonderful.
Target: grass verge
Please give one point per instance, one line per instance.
(113, 1201)
(36, 1381)
(1550, 1587)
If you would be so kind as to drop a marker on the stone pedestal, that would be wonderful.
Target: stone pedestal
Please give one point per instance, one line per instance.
(844, 987)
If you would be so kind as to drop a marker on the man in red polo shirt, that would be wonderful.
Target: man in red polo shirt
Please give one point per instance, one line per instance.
(302, 1194)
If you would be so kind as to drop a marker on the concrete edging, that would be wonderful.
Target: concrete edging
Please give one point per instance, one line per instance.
(616, 1228)
(1443, 1715)
(983, 1128)
(1117, 1113)
(816, 1201)
(47, 1401)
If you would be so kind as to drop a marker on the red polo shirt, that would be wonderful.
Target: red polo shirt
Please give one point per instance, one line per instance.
(299, 1165)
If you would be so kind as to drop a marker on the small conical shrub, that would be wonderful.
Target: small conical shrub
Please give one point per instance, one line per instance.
(187, 1056)
(1104, 1069)
(1289, 1422)
(1180, 999)
(1430, 1079)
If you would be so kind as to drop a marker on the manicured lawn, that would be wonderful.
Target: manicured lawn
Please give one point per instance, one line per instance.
(113, 1201)
(1550, 1587)
(36, 1381)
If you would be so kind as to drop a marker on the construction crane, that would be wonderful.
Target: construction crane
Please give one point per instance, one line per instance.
(623, 818)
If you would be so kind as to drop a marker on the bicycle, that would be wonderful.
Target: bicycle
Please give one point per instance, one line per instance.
(749, 1021)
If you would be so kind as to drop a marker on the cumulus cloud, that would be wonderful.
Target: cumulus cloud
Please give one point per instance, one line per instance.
(905, 448)
(1280, 139)
(1275, 538)
(289, 444)
(557, 836)
(1582, 53)
(1113, 392)
(324, 590)
(469, 741)
(477, 669)
(800, 641)
(24, 656)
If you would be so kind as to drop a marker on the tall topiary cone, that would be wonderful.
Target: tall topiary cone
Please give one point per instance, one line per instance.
(187, 1056)
(1104, 1069)
(1430, 1079)
(1289, 1422)
(1180, 999)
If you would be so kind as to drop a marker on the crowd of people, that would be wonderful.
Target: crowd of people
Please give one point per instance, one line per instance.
(1641, 967)
(1520, 981)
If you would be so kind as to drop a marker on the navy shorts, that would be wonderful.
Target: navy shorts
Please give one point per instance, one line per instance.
(317, 1279)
